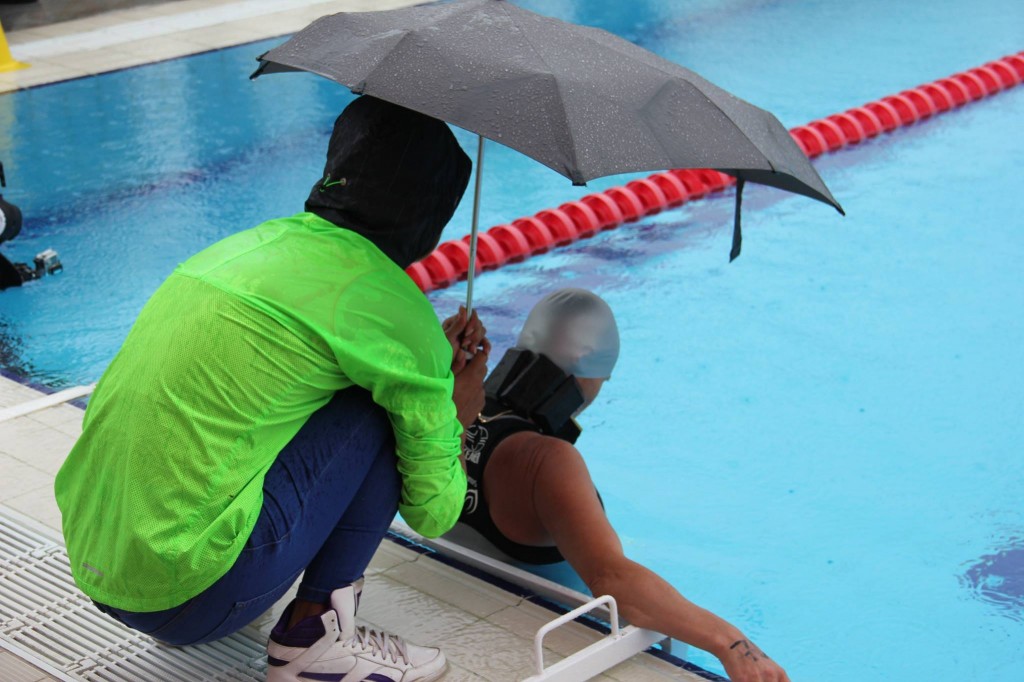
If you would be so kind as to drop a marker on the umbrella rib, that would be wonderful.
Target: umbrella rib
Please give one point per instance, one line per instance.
(366, 79)
(574, 170)
(660, 69)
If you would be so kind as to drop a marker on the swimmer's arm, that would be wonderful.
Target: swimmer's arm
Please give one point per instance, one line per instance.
(564, 499)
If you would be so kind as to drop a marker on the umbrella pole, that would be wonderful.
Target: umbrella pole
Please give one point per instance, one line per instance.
(473, 231)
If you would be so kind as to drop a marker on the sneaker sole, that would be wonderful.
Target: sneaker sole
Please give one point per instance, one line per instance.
(436, 676)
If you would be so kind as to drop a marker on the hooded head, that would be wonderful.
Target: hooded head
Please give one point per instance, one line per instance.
(576, 330)
(393, 175)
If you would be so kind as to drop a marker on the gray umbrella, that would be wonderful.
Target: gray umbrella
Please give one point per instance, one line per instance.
(579, 100)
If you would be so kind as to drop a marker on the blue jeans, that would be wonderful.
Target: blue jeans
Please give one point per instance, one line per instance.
(327, 501)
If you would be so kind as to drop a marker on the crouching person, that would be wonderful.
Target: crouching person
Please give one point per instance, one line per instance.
(279, 398)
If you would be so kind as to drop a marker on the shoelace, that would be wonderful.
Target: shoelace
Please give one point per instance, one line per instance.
(387, 645)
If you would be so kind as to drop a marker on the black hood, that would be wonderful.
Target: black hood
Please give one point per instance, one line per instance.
(393, 175)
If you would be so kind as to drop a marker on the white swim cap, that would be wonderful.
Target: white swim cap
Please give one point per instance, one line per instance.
(576, 330)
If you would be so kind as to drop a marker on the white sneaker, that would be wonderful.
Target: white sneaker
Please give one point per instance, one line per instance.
(331, 648)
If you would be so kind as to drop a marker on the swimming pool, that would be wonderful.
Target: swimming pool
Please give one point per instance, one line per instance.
(819, 441)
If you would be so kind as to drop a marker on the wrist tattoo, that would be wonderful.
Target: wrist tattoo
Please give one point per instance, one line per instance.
(749, 650)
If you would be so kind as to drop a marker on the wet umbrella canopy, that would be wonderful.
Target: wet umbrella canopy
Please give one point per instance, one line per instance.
(577, 99)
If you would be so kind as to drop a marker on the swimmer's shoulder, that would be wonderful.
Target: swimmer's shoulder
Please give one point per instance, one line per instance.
(527, 442)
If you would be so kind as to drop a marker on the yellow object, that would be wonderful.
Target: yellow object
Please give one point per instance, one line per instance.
(8, 62)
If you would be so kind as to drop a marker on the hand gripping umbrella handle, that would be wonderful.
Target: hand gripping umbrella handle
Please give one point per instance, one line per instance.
(476, 222)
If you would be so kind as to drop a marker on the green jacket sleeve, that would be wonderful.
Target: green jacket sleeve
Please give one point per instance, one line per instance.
(387, 339)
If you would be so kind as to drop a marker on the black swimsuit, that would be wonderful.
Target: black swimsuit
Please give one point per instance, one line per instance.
(486, 433)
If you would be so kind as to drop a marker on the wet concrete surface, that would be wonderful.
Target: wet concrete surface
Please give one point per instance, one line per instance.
(21, 15)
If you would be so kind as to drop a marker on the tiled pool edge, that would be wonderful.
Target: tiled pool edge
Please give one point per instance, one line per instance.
(512, 619)
(166, 45)
(23, 636)
(532, 597)
(43, 389)
(26, 382)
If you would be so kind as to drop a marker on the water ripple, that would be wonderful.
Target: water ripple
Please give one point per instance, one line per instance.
(998, 579)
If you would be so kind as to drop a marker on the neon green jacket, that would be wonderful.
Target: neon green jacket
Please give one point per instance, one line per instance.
(227, 360)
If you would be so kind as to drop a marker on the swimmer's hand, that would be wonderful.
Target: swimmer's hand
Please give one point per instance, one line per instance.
(745, 662)
(467, 336)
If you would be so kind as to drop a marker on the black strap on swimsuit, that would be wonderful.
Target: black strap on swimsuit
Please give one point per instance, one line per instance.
(525, 392)
(533, 387)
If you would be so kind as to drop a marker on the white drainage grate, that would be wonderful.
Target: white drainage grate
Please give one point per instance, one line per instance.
(46, 618)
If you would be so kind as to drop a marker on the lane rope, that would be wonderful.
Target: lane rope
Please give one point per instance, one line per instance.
(583, 218)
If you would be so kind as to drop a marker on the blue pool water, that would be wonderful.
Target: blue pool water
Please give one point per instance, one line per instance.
(820, 441)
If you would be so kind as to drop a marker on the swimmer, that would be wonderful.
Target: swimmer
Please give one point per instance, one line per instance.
(530, 493)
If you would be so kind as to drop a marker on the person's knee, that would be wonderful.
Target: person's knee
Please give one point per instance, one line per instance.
(352, 411)
(356, 400)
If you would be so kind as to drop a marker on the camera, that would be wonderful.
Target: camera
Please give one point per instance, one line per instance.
(46, 262)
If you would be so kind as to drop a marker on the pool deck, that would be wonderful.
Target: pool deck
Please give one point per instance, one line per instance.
(147, 33)
(485, 630)
(21, 14)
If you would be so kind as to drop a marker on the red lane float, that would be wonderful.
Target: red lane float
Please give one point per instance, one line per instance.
(607, 211)
(672, 187)
(585, 217)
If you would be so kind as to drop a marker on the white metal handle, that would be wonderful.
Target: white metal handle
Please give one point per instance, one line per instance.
(538, 640)
(628, 640)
